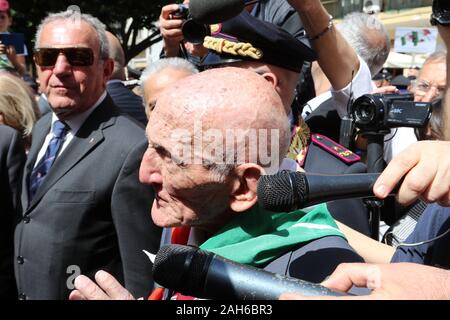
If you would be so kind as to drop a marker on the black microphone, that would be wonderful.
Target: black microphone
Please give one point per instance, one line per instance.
(202, 274)
(287, 191)
(215, 11)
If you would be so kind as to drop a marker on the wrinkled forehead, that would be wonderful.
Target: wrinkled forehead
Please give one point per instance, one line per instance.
(434, 70)
(163, 120)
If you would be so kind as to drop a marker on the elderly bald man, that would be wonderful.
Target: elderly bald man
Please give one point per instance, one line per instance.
(204, 168)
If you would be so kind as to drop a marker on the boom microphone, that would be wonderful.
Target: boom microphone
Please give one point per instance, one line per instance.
(215, 11)
(202, 274)
(287, 191)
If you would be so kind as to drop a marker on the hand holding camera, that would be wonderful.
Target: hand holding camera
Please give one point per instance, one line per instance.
(170, 24)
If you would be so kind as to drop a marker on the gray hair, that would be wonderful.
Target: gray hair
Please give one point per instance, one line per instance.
(76, 17)
(174, 63)
(435, 57)
(369, 37)
(218, 172)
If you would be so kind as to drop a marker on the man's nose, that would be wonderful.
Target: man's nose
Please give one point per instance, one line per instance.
(150, 171)
(62, 65)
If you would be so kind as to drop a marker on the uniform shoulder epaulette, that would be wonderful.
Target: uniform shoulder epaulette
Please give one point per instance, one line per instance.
(335, 148)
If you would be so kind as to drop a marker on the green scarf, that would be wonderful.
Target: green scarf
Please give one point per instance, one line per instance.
(257, 237)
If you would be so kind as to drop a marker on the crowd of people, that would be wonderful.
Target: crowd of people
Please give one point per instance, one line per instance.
(94, 177)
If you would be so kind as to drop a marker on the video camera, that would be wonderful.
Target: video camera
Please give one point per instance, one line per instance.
(379, 113)
(193, 31)
(441, 13)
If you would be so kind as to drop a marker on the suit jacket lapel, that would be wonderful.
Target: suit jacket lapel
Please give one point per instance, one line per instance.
(86, 139)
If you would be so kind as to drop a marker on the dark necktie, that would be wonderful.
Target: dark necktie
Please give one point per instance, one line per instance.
(40, 171)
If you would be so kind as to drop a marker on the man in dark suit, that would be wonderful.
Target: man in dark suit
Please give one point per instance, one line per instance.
(128, 102)
(12, 159)
(83, 206)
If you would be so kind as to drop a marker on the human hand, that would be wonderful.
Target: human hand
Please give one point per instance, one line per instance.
(386, 90)
(106, 288)
(170, 29)
(2, 48)
(426, 167)
(10, 52)
(400, 281)
(196, 49)
(396, 281)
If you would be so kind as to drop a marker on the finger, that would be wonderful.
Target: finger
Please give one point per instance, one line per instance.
(167, 10)
(11, 51)
(396, 169)
(171, 24)
(439, 189)
(297, 296)
(416, 182)
(172, 34)
(387, 89)
(445, 200)
(112, 287)
(348, 275)
(76, 295)
(89, 289)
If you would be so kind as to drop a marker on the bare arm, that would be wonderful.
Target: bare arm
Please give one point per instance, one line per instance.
(345, 62)
(370, 250)
(170, 30)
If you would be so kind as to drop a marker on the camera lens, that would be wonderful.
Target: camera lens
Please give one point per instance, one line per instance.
(365, 113)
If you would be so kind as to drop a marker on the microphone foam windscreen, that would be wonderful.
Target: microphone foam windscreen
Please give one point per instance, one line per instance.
(282, 192)
(180, 268)
(215, 11)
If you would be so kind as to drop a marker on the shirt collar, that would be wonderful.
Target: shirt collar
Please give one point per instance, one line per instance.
(77, 121)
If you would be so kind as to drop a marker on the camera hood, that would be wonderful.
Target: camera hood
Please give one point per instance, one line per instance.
(195, 32)
(441, 13)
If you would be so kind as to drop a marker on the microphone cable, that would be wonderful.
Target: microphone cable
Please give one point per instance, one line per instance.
(415, 244)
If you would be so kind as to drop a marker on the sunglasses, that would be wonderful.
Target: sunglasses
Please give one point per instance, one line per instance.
(77, 57)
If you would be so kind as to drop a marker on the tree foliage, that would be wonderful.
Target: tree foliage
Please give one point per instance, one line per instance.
(124, 18)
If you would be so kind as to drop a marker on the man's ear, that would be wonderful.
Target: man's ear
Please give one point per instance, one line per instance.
(108, 69)
(272, 78)
(243, 194)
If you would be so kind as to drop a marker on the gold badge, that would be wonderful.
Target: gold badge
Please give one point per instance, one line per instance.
(215, 28)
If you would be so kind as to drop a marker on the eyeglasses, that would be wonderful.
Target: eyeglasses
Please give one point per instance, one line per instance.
(421, 87)
(77, 57)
